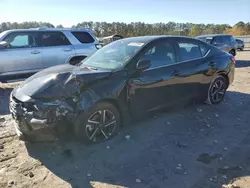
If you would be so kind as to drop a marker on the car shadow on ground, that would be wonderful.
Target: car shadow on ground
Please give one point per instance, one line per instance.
(166, 149)
(242, 63)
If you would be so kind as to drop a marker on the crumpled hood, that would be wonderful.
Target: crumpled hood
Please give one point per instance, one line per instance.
(60, 81)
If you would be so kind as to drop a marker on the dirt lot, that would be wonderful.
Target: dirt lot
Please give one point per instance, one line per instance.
(197, 146)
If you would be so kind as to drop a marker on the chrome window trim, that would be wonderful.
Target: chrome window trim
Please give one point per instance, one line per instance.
(179, 62)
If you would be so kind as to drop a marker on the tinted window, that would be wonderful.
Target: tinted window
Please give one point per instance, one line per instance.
(189, 51)
(225, 39)
(204, 49)
(206, 39)
(239, 41)
(160, 54)
(83, 37)
(216, 40)
(54, 39)
(22, 40)
(231, 39)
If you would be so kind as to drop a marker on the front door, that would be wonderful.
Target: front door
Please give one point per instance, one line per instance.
(154, 87)
(22, 56)
(56, 48)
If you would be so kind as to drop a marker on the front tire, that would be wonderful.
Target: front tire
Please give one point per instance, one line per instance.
(217, 90)
(100, 124)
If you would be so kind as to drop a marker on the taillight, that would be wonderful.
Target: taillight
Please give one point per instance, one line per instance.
(233, 59)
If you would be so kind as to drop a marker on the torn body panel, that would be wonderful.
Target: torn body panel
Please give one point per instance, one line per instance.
(43, 101)
(36, 115)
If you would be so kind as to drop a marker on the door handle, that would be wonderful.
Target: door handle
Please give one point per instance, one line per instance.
(67, 49)
(35, 52)
(176, 73)
(211, 63)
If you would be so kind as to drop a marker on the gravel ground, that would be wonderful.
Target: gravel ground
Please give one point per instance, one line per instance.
(197, 146)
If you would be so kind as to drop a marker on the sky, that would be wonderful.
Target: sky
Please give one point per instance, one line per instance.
(71, 12)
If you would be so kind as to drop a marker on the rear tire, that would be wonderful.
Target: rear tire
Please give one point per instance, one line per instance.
(233, 52)
(217, 90)
(100, 124)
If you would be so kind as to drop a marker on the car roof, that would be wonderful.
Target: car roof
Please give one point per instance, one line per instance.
(213, 35)
(147, 39)
(51, 29)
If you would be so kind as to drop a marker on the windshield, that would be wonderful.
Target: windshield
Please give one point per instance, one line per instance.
(115, 55)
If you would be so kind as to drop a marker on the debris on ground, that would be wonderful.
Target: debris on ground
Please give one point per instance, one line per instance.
(199, 110)
(138, 181)
(231, 186)
(127, 137)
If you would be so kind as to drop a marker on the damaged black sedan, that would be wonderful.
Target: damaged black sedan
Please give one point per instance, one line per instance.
(123, 80)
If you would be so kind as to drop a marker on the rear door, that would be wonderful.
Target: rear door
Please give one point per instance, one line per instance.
(22, 56)
(56, 48)
(190, 68)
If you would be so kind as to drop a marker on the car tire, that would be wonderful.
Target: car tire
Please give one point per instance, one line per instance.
(217, 90)
(233, 52)
(100, 124)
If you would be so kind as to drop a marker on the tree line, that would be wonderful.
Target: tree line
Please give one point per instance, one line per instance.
(139, 28)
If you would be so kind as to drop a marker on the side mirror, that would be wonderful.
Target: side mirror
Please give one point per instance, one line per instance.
(143, 65)
(3, 44)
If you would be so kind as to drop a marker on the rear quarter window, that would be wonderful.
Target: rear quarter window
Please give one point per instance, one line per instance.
(83, 37)
(204, 49)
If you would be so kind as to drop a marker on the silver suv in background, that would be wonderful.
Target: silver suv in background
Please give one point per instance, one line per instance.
(240, 44)
(222, 41)
(24, 52)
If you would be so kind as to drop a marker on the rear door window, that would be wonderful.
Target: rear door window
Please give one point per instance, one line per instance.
(189, 51)
(225, 39)
(83, 37)
(54, 39)
(217, 40)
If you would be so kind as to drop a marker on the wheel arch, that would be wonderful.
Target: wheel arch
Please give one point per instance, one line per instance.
(225, 76)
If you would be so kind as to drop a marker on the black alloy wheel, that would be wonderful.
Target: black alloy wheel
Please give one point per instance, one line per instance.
(217, 90)
(101, 124)
(233, 52)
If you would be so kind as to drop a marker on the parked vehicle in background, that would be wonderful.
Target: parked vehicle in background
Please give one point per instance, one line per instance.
(109, 39)
(240, 44)
(222, 41)
(125, 79)
(24, 52)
